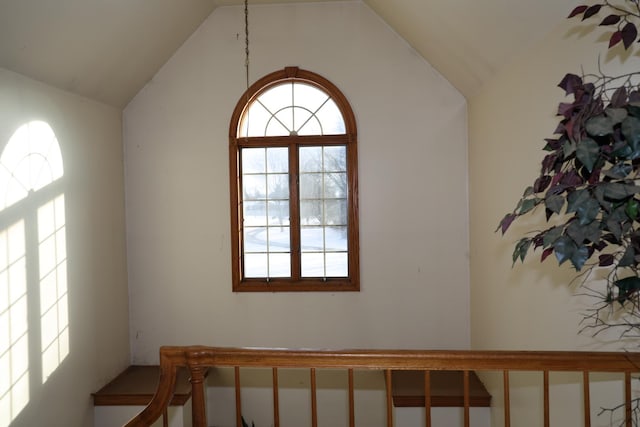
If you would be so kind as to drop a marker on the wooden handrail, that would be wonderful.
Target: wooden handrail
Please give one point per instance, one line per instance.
(197, 358)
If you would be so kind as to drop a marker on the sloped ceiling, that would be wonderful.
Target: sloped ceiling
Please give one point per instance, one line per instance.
(107, 50)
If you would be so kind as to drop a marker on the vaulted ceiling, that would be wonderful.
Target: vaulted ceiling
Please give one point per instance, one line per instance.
(107, 50)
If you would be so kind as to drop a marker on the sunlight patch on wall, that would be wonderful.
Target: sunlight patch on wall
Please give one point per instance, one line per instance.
(54, 311)
(32, 247)
(14, 340)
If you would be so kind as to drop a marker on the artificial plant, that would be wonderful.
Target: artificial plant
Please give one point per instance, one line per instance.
(589, 181)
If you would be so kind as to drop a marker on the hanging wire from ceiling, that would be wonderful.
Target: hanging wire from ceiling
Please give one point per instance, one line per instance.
(246, 40)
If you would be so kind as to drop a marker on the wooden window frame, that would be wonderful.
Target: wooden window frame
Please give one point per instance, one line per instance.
(236, 143)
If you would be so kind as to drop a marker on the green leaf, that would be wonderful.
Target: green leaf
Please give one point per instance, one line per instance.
(554, 202)
(618, 171)
(630, 129)
(617, 115)
(521, 249)
(577, 199)
(527, 205)
(564, 249)
(632, 209)
(619, 191)
(580, 233)
(588, 152)
(588, 211)
(550, 236)
(568, 148)
(628, 257)
(628, 284)
(634, 109)
(580, 257)
(599, 126)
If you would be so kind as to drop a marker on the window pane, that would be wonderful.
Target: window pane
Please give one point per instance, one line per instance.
(311, 212)
(278, 213)
(255, 265)
(307, 123)
(254, 213)
(335, 212)
(311, 186)
(279, 265)
(335, 239)
(335, 185)
(313, 265)
(309, 97)
(331, 119)
(283, 118)
(279, 239)
(278, 186)
(277, 98)
(254, 121)
(254, 187)
(312, 239)
(255, 239)
(253, 160)
(278, 160)
(335, 158)
(337, 264)
(310, 159)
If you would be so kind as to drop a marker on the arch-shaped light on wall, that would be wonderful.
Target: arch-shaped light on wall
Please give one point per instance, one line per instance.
(32, 247)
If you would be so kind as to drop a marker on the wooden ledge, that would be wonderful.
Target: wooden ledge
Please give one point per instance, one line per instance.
(137, 384)
(447, 389)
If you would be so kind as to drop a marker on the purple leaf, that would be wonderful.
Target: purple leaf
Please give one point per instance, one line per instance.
(557, 178)
(541, 183)
(629, 34)
(565, 109)
(619, 97)
(606, 260)
(578, 10)
(591, 10)
(610, 20)
(546, 253)
(548, 162)
(571, 179)
(634, 96)
(615, 38)
(570, 83)
(506, 222)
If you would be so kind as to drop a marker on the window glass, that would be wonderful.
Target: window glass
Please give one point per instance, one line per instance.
(294, 186)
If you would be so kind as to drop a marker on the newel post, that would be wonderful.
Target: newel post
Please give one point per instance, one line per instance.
(198, 410)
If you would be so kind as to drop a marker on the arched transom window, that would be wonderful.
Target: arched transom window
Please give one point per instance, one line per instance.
(293, 164)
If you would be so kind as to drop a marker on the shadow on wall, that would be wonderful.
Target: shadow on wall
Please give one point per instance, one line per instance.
(34, 318)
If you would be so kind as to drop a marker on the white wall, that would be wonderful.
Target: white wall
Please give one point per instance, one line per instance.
(535, 305)
(531, 306)
(89, 135)
(413, 191)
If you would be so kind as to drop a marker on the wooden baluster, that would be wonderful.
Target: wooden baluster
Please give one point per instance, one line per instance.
(276, 400)
(314, 401)
(507, 403)
(198, 409)
(387, 376)
(466, 398)
(627, 399)
(238, 397)
(427, 398)
(586, 399)
(352, 411)
(546, 398)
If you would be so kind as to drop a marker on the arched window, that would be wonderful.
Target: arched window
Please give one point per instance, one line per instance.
(294, 186)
